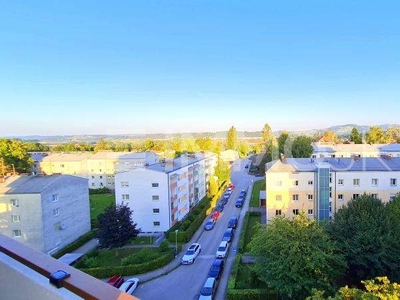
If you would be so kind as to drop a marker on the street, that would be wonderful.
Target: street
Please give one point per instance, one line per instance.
(186, 281)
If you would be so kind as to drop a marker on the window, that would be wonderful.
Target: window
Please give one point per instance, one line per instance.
(355, 196)
(310, 197)
(310, 182)
(156, 223)
(92, 183)
(156, 210)
(393, 182)
(92, 177)
(356, 182)
(278, 183)
(340, 197)
(14, 202)
(154, 184)
(374, 182)
(17, 233)
(374, 196)
(125, 196)
(155, 197)
(278, 212)
(278, 198)
(295, 182)
(295, 212)
(55, 198)
(124, 184)
(101, 177)
(16, 218)
(310, 212)
(340, 181)
(295, 197)
(56, 212)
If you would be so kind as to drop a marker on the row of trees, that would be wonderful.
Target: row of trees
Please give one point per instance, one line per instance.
(361, 242)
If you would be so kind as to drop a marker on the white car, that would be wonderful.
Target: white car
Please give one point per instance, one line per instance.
(222, 249)
(129, 286)
(191, 253)
(209, 289)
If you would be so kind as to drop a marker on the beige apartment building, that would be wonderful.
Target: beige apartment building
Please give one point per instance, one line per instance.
(319, 187)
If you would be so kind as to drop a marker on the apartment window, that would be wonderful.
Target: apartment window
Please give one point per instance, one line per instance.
(278, 183)
(295, 182)
(101, 184)
(56, 212)
(374, 196)
(340, 181)
(310, 182)
(393, 182)
(101, 177)
(17, 233)
(156, 210)
(374, 182)
(55, 198)
(154, 184)
(125, 196)
(295, 197)
(278, 198)
(16, 218)
(355, 196)
(356, 182)
(310, 197)
(92, 183)
(156, 223)
(340, 197)
(14, 202)
(92, 177)
(124, 184)
(278, 212)
(155, 197)
(310, 212)
(295, 212)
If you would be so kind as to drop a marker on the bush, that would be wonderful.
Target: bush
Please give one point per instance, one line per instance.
(164, 246)
(103, 190)
(75, 245)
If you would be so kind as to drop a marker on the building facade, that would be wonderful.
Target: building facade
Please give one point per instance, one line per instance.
(350, 150)
(319, 187)
(44, 212)
(162, 194)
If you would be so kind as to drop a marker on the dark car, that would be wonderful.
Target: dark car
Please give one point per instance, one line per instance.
(242, 193)
(228, 235)
(224, 201)
(209, 225)
(216, 268)
(233, 222)
(219, 207)
(239, 202)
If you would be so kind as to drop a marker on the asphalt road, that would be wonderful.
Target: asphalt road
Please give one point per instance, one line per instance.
(185, 282)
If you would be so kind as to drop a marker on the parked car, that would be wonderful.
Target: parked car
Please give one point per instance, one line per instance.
(224, 201)
(222, 249)
(129, 286)
(208, 290)
(209, 225)
(216, 268)
(116, 280)
(233, 222)
(239, 202)
(191, 254)
(215, 215)
(242, 193)
(219, 207)
(228, 235)
(231, 185)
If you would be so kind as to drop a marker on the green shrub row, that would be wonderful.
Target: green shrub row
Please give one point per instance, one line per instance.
(243, 232)
(102, 190)
(131, 269)
(75, 245)
(250, 294)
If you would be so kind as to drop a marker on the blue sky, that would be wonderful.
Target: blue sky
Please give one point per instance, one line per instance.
(120, 67)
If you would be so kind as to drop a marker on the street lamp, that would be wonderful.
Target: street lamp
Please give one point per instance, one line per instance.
(176, 243)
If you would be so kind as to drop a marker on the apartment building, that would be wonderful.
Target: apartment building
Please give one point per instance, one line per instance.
(349, 150)
(44, 212)
(319, 187)
(162, 194)
(99, 168)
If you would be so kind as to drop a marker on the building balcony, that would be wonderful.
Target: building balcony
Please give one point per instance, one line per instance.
(174, 210)
(174, 197)
(26, 275)
(173, 185)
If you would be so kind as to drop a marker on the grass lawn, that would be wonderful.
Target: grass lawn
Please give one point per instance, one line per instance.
(143, 240)
(247, 279)
(250, 230)
(255, 196)
(99, 202)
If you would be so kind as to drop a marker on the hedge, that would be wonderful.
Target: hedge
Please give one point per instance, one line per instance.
(250, 294)
(75, 245)
(131, 269)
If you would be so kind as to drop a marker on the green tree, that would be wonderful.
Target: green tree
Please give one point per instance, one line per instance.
(213, 187)
(355, 136)
(232, 140)
(330, 136)
(392, 134)
(295, 256)
(204, 143)
(282, 139)
(115, 226)
(375, 135)
(103, 145)
(364, 231)
(301, 147)
(14, 157)
(34, 146)
(243, 149)
(222, 171)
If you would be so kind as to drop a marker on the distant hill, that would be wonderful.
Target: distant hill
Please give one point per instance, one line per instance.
(342, 131)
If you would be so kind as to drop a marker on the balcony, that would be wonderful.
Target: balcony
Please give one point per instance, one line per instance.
(25, 274)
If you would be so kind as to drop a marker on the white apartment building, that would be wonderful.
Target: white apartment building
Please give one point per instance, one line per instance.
(349, 150)
(162, 194)
(319, 187)
(44, 212)
(98, 168)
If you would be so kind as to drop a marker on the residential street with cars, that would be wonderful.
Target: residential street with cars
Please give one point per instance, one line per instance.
(186, 281)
